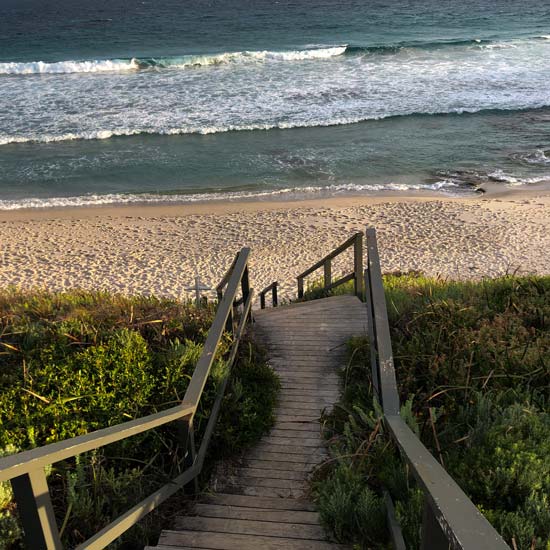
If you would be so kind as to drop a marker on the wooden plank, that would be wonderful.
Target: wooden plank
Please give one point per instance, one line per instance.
(251, 527)
(277, 465)
(273, 483)
(287, 415)
(272, 492)
(301, 386)
(293, 392)
(224, 541)
(317, 380)
(298, 425)
(297, 404)
(293, 443)
(257, 502)
(314, 372)
(267, 453)
(257, 514)
(299, 434)
(296, 475)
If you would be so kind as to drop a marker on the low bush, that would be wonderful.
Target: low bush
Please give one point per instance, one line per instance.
(76, 362)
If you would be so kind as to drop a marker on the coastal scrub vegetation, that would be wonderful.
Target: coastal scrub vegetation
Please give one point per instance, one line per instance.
(76, 362)
(473, 368)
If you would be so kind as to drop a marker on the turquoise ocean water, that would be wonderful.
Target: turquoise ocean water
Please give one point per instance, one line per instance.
(166, 101)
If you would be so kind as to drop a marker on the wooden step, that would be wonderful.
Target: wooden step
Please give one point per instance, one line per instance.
(250, 527)
(225, 541)
(257, 502)
(278, 465)
(257, 514)
(299, 475)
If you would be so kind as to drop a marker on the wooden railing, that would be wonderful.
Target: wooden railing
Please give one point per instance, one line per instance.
(356, 241)
(274, 298)
(450, 520)
(26, 471)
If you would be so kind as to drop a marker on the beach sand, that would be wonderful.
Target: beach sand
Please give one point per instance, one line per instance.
(157, 249)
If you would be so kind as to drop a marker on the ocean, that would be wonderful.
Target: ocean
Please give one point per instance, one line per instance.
(119, 101)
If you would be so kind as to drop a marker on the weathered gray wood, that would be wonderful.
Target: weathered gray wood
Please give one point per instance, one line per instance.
(224, 541)
(280, 492)
(286, 432)
(277, 465)
(260, 454)
(284, 441)
(271, 473)
(299, 416)
(297, 403)
(287, 449)
(251, 527)
(258, 502)
(305, 415)
(273, 483)
(297, 426)
(258, 514)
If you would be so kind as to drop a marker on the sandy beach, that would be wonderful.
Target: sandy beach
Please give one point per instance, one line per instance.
(158, 249)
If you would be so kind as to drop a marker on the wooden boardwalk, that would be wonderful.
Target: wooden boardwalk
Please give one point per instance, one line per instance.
(265, 504)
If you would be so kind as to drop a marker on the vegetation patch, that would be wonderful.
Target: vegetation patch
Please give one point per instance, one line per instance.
(77, 362)
(473, 368)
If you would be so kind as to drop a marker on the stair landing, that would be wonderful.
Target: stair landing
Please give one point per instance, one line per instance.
(264, 504)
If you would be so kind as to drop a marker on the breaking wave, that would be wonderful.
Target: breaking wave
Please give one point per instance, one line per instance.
(196, 61)
(172, 62)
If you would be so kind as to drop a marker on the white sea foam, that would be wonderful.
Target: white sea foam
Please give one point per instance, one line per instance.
(539, 156)
(502, 177)
(275, 194)
(207, 130)
(61, 67)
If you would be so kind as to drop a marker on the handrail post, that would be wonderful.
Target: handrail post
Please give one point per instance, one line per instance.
(358, 266)
(372, 336)
(190, 456)
(432, 536)
(245, 289)
(300, 287)
(327, 266)
(262, 301)
(229, 322)
(274, 294)
(36, 511)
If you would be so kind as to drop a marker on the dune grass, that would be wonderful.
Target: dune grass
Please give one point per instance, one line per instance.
(473, 367)
(76, 362)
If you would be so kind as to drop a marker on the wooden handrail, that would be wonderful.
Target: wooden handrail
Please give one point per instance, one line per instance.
(355, 241)
(274, 297)
(331, 255)
(26, 472)
(451, 520)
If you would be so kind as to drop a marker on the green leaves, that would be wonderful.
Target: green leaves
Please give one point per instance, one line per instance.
(76, 362)
(475, 357)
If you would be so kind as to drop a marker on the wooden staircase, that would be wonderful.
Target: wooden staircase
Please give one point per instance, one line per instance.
(265, 505)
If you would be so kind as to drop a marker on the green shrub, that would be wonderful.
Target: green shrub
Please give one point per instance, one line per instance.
(472, 365)
(76, 362)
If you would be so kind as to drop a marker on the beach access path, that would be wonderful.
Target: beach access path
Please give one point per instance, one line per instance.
(265, 502)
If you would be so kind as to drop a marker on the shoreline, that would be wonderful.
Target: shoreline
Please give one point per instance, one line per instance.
(494, 192)
(156, 249)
